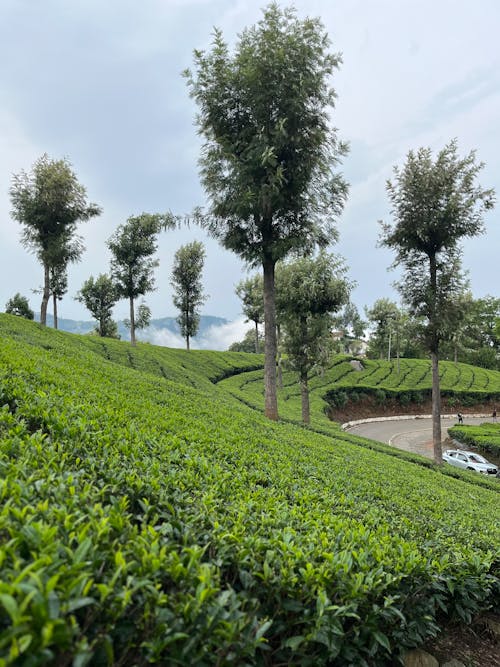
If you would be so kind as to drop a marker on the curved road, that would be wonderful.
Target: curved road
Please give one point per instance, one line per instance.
(412, 434)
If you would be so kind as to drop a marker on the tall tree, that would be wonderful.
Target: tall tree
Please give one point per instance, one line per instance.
(310, 291)
(49, 202)
(186, 281)
(251, 293)
(18, 305)
(270, 149)
(383, 316)
(99, 296)
(436, 204)
(132, 247)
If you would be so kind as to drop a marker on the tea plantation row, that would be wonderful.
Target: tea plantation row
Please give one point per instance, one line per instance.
(485, 437)
(145, 520)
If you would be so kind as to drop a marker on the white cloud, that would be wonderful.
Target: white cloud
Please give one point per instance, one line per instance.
(217, 337)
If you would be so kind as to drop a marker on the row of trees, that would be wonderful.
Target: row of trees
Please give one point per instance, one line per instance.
(474, 339)
(49, 202)
(133, 247)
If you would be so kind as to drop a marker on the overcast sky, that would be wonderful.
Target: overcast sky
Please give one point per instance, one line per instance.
(99, 82)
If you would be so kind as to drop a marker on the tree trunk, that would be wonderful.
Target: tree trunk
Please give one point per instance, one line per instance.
(132, 322)
(304, 394)
(279, 369)
(270, 348)
(45, 295)
(434, 345)
(436, 410)
(54, 301)
(187, 343)
(256, 337)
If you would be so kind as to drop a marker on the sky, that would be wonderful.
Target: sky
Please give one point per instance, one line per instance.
(99, 83)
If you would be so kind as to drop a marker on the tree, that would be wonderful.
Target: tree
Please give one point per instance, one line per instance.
(310, 290)
(132, 247)
(49, 202)
(247, 344)
(18, 305)
(251, 293)
(99, 296)
(383, 315)
(351, 328)
(435, 205)
(270, 149)
(186, 281)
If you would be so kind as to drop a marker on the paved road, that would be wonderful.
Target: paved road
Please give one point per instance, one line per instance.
(412, 435)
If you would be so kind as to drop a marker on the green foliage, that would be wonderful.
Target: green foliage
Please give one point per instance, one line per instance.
(49, 202)
(19, 305)
(188, 289)
(99, 297)
(436, 204)
(251, 293)
(309, 290)
(174, 525)
(486, 437)
(250, 342)
(270, 146)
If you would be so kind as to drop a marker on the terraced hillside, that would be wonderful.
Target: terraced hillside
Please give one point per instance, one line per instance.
(148, 516)
(406, 382)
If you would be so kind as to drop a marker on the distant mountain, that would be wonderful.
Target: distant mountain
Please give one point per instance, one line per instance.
(151, 334)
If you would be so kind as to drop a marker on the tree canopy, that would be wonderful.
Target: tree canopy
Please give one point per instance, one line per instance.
(19, 305)
(99, 296)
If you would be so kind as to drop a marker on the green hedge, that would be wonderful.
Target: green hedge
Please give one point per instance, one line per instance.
(485, 437)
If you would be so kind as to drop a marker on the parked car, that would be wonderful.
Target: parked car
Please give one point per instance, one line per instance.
(469, 461)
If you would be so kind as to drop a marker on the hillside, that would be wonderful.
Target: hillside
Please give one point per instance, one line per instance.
(150, 516)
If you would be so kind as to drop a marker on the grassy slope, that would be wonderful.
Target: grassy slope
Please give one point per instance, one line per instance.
(147, 519)
(414, 375)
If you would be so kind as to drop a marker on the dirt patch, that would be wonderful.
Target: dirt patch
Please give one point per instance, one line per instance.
(368, 408)
(474, 645)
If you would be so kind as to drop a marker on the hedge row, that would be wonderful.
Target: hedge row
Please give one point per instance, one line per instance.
(485, 437)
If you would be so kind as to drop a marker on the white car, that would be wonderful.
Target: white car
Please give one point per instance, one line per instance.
(469, 461)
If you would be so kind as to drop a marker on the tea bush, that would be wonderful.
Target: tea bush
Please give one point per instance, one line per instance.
(485, 437)
(152, 521)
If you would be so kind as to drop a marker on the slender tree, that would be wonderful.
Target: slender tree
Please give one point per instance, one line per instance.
(18, 305)
(310, 291)
(186, 281)
(383, 316)
(49, 202)
(436, 204)
(251, 293)
(99, 296)
(270, 149)
(132, 247)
